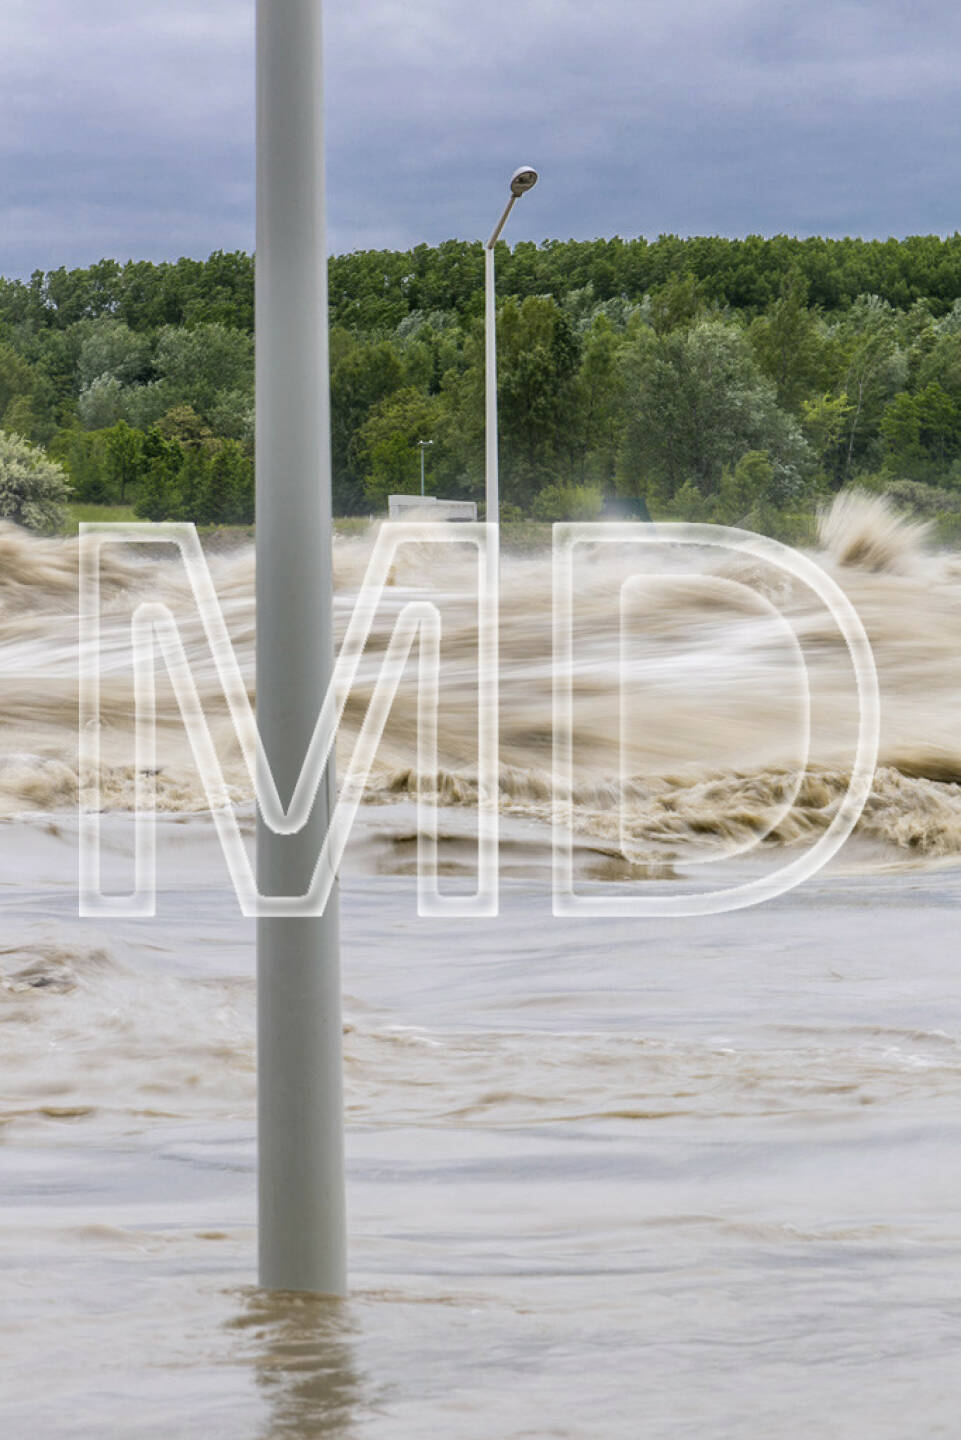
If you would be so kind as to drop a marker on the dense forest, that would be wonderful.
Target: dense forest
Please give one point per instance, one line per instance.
(733, 380)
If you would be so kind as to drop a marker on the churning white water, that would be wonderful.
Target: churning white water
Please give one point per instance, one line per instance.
(607, 1177)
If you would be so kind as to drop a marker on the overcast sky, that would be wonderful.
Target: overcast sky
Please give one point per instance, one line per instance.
(126, 126)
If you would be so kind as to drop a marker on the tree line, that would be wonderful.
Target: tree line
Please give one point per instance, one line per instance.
(704, 378)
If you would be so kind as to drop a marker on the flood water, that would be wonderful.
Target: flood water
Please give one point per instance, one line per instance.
(607, 1177)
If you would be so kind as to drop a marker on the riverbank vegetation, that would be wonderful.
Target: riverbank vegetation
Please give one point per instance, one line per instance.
(740, 381)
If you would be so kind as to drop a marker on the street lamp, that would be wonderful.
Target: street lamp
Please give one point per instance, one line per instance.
(423, 444)
(522, 180)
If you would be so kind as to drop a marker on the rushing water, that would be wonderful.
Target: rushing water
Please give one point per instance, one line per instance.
(607, 1177)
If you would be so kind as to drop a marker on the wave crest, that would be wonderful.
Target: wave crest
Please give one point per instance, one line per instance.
(865, 532)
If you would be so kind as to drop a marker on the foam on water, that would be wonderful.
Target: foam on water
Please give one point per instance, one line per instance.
(695, 745)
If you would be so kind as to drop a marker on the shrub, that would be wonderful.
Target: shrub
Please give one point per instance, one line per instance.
(567, 502)
(33, 488)
(928, 502)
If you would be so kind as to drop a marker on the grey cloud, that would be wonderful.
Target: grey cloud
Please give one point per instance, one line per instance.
(128, 129)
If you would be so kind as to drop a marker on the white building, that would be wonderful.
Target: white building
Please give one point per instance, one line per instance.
(426, 507)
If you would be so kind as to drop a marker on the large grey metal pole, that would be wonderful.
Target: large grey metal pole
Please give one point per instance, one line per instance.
(300, 1098)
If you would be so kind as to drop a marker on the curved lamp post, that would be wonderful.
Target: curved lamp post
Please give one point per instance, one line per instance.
(522, 180)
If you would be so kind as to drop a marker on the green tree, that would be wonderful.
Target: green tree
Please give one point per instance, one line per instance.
(901, 429)
(193, 478)
(941, 363)
(21, 418)
(824, 420)
(244, 488)
(385, 448)
(698, 403)
(109, 347)
(162, 461)
(18, 380)
(198, 366)
(232, 416)
(538, 360)
(600, 410)
(675, 304)
(690, 504)
(538, 407)
(102, 403)
(227, 494)
(122, 459)
(145, 405)
(940, 417)
(745, 490)
(874, 369)
(921, 433)
(362, 376)
(790, 345)
(81, 454)
(190, 431)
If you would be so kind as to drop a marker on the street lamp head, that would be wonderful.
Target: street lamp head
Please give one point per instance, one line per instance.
(523, 180)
